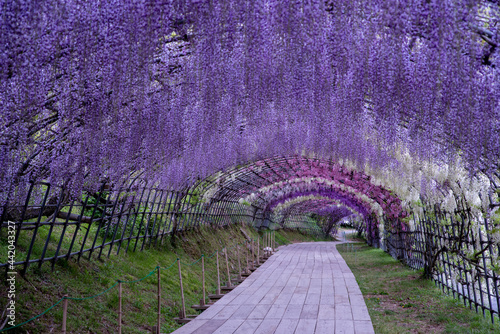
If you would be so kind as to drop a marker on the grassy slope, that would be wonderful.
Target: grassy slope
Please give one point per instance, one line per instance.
(399, 301)
(42, 288)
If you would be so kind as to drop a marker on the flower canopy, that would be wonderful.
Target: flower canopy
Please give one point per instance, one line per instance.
(179, 90)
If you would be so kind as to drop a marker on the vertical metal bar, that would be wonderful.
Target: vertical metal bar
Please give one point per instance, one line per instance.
(91, 220)
(198, 215)
(163, 216)
(26, 203)
(441, 234)
(118, 220)
(128, 215)
(135, 214)
(456, 262)
(495, 277)
(189, 216)
(35, 231)
(178, 212)
(62, 234)
(173, 200)
(159, 209)
(110, 221)
(77, 229)
(101, 221)
(168, 217)
(146, 230)
(486, 277)
(142, 219)
(463, 268)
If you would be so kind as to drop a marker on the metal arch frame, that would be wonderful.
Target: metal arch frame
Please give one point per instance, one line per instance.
(229, 189)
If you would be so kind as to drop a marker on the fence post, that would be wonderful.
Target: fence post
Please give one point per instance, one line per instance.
(65, 313)
(217, 292)
(253, 255)
(182, 314)
(274, 241)
(247, 268)
(159, 300)
(119, 307)
(202, 302)
(228, 284)
(239, 263)
(269, 243)
(258, 250)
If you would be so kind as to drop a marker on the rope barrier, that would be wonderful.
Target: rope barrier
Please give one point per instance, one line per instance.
(167, 268)
(117, 282)
(35, 317)
(192, 263)
(94, 296)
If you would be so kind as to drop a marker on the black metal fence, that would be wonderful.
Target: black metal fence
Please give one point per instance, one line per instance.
(458, 252)
(48, 226)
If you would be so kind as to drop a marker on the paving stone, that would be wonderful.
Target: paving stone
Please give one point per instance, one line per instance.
(293, 311)
(343, 312)
(344, 327)
(306, 326)
(209, 327)
(229, 326)
(326, 312)
(287, 326)
(243, 312)
(267, 326)
(249, 326)
(309, 312)
(363, 327)
(325, 327)
(259, 312)
(276, 311)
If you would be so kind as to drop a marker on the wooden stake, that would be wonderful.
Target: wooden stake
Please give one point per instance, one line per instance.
(202, 302)
(217, 292)
(119, 307)
(65, 314)
(228, 284)
(159, 301)
(274, 241)
(182, 314)
(258, 250)
(253, 255)
(239, 263)
(266, 244)
(247, 268)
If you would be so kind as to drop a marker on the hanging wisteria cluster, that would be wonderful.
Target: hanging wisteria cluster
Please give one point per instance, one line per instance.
(177, 90)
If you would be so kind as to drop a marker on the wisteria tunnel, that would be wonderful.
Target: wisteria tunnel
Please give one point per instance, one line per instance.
(124, 123)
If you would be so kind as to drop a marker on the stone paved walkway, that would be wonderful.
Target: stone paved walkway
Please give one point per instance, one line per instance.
(303, 288)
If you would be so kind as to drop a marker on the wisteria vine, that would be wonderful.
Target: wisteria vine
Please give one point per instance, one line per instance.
(177, 90)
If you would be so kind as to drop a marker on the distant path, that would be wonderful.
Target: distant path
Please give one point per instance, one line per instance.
(303, 288)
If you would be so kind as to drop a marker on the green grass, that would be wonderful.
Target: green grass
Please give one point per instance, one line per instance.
(400, 301)
(42, 288)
